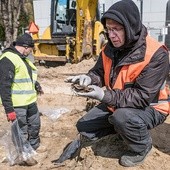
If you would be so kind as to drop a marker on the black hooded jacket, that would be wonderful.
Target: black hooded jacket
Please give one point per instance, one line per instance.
(7, 73)
(147, 86)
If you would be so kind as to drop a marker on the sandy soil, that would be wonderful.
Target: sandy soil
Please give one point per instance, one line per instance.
(57, 133)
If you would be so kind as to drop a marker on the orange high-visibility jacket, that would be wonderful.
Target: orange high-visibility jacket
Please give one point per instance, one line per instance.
(129, 73)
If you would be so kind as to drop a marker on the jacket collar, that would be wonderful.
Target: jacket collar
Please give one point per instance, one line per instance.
(12, 49)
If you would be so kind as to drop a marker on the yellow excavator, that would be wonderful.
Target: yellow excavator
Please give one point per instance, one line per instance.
(75, 32)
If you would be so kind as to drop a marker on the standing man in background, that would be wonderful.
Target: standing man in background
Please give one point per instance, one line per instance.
(133, 67)
(19, 88)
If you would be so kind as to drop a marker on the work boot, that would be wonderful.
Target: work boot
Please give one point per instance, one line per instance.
(30, 161)
(41, 149)
(132, 158)
(41, 153)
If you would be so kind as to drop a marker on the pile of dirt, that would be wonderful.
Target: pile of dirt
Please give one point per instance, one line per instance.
(56, 133)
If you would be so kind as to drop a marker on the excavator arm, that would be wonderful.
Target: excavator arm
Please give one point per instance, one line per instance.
(74, 33)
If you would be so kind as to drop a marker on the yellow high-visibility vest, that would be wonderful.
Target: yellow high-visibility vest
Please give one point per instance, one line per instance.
(23, 88)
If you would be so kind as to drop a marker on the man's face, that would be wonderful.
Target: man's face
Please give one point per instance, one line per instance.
(27, 51)
(116, 32)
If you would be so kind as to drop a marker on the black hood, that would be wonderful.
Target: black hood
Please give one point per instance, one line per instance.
(126, 13)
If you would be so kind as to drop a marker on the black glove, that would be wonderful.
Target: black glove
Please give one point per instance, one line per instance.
(38, 88)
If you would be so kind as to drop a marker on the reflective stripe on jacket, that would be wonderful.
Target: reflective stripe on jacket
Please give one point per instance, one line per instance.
(129, 73)
(23, 88)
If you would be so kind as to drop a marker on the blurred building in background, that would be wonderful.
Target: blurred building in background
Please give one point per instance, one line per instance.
(155, 15)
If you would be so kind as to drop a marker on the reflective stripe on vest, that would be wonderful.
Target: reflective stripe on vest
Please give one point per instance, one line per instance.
(23, 88)
(129, 73)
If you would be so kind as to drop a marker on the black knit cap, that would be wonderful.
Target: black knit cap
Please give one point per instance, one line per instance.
(25, 40)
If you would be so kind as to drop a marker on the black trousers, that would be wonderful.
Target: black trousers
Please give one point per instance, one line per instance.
(29, 121)
(132, 124)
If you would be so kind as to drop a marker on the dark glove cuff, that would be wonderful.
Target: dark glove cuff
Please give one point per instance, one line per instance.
(37, 86)
(9, 110)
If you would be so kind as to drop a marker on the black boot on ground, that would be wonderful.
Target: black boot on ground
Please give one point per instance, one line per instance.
(130, 158)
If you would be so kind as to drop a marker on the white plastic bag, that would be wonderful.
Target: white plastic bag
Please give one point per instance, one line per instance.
(18, 149)
(54, 114)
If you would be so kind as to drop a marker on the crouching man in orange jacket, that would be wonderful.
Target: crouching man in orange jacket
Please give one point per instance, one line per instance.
(133, 67)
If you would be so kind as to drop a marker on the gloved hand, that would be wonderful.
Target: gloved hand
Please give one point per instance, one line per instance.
(11, 116)
(97, 93)
(82, 80)
(38, 88)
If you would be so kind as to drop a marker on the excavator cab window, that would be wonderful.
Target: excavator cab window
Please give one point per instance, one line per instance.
(63, 17)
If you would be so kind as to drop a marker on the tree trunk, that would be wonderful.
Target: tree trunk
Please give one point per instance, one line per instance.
(10, 10)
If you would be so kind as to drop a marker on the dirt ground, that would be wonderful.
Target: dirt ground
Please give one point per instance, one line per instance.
(57, 133)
